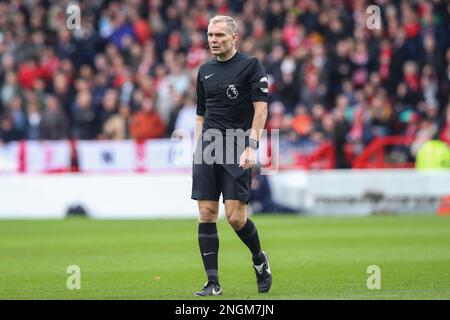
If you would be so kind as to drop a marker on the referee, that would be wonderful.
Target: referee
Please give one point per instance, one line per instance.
(232, 92)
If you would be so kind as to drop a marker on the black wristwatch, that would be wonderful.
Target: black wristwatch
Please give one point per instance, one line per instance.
(253, 143)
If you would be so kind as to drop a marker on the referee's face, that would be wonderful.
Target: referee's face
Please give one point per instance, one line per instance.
(221, 41)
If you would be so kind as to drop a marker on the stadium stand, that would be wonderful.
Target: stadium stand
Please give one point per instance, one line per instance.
(130, 72)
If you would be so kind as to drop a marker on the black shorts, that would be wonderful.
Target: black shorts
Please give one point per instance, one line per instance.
(210, 180)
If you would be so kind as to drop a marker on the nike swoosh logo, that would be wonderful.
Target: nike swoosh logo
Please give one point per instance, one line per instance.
(260, 268)
(206, 77)
(206, 254)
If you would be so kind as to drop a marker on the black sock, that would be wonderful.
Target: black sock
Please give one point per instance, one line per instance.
(208, 241)
(249, 235)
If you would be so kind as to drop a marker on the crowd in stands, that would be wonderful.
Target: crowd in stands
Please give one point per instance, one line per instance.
(130, 71)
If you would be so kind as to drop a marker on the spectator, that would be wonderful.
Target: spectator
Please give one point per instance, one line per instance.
(116, 127)
(85, 124)
(313, 89)
(301, 123)
(427, 129)
(54, 123)
(34, 118)
(380, 115)
(277, 118)
(9, 89)
(63, 92)
(186, 116)
(146, 123)
(7, 131)
(108, 107)
(314, 52)
(340, 132)
(16, 109)
(288, 91)
(28, 73)
(433, 154)
(341, 66)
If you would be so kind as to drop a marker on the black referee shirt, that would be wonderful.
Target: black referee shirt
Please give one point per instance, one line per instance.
(226, 90)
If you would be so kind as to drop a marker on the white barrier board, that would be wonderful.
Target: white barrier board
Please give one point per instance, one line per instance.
(360, 192)
(103, 196)
(167, 195)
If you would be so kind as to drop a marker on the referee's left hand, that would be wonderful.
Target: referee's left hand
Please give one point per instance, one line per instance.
(248, 158)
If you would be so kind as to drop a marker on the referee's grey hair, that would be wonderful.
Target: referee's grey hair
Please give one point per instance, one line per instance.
(231, 23)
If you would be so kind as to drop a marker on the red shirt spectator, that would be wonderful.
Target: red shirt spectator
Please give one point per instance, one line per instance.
(141, 30)
(28, 73)
(147, 124)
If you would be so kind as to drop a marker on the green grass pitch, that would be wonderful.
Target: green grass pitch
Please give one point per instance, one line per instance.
(311, 258)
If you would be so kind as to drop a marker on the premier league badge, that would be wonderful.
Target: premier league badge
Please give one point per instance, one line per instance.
(232, 92)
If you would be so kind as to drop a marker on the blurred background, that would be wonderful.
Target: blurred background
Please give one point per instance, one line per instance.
(87, 115)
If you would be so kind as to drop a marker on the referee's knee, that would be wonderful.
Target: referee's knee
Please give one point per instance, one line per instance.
(236, 221)
(207, 214)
